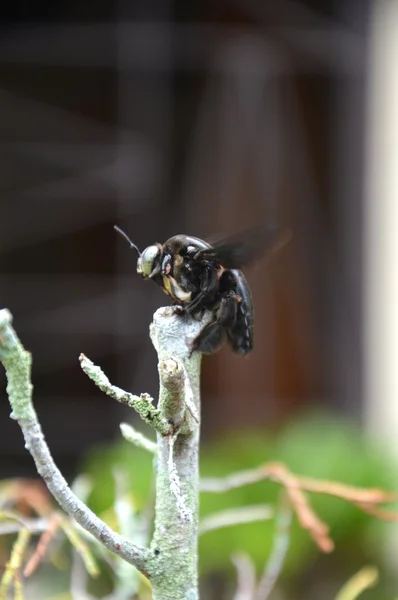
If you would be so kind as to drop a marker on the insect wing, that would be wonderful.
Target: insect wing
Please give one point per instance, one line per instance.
(244, 248)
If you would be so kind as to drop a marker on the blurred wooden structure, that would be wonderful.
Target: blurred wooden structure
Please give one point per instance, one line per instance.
(166, 118)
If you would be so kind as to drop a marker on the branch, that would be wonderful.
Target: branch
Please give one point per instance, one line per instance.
(142, 404)
(17, 363)
(174, 568)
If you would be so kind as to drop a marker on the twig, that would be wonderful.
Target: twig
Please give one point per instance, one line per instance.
(33, 525)
(80, 546)
(42, 545)
(246, 572)
(26, 494)
(137, 438)
(14, 564)
(378, 513)
(17, 363)
(127, 580)
(360, 582)
(308, 519)
(18, 588)
(219, 485)
(142, 404)
(236, 516)
(279, 550)
(367, 500)
(82, 486)
(357, 495)
(78, 579)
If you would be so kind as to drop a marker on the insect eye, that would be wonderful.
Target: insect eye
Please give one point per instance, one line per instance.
(146, 265)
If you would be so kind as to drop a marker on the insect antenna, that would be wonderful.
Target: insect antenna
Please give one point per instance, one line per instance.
(126, 237)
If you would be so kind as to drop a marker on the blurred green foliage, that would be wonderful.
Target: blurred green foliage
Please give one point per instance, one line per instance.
(317, 445)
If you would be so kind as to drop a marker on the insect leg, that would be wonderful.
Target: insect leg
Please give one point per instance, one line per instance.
(208, 289)
(212, 335)
(226, 314)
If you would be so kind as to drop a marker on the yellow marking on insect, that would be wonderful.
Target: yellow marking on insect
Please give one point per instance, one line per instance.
(174, 290)
(167, 286)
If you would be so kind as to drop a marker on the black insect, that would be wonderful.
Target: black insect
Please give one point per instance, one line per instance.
(198, 275)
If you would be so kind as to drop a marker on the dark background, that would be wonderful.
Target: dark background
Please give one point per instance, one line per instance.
(170, 117)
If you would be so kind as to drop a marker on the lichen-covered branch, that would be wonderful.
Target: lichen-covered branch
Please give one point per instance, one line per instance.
(17, 362)
(174, 543)
(142, 404)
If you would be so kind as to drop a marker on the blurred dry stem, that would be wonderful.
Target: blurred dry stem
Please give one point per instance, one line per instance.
(36, 518)
(46, 537)
(361, 581)
(27, 496)
(247, 586)
(16, 523)
(236, 516)
(274, 565)
(11, 573)
(137, 438)
(80, 546)
(246, 576)
(366, 499)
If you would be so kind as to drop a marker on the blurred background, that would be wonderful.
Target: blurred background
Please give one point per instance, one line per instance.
(205, 118)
